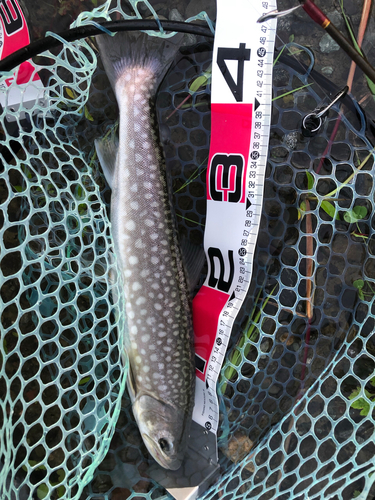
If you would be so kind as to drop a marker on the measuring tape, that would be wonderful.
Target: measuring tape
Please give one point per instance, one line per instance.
(241, 96)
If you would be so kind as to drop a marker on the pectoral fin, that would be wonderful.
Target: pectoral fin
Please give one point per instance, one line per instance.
(106, 149)
(193, 257)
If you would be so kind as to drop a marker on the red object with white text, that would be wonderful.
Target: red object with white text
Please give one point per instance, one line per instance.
(14, 35)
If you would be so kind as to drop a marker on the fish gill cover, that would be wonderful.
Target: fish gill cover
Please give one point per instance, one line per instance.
(297, 386)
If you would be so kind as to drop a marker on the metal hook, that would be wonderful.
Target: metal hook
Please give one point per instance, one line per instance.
(313, 121)
(275, 13)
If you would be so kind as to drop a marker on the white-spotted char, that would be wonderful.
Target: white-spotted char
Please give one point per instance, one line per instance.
(160, 336)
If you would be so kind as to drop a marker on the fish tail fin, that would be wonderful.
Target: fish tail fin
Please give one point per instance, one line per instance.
(137, 50)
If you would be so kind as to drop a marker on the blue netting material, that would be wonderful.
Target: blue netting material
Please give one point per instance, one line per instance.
(297, 411)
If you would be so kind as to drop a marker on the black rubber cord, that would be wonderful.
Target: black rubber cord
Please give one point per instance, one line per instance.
(43, 44)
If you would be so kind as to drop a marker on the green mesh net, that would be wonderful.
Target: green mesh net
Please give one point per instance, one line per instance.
(297, 388)
(61, 335)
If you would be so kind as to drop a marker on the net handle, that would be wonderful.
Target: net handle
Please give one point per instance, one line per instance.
(42, 44)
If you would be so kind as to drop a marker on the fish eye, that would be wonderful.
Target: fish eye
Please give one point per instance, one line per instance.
(165, 446)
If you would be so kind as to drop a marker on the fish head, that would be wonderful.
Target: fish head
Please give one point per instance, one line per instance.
(164, 430)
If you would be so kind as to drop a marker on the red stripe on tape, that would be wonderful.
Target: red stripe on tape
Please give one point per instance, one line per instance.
(207, 306)
(229, 151)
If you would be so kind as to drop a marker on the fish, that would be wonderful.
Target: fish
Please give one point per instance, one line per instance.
(157, 286)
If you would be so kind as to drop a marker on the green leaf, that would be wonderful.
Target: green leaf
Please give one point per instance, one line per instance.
(278, 55)
(356, 214)
(310, 180)
(372, 381)
(291, 91)
(291, 38)
(197, 83)
(42, 491)
(87, 114)
(361, 295)
(70, 92)
(84, 380)
(329, 208)
(360, 212)
(363, 405)
(359, 284)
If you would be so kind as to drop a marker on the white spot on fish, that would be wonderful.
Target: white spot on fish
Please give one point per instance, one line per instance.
(162, 334)
(133, 259)
(139, 244)
(163, 387)
(153, 357)
(146, 368)
(161, 366)
(131, 314)
(134, 329)
(154, 204)
(136, 286)
(154, 260)
(138, 359)
(134, 205)
(151, 295)
(131, 144)
(137, 97)
(166, 313)
(167, 349)
(134, 188)
(139, 378)
(144, 273)
(156, 375)
(140, 301)
(137, 127)
(130, 225)
(168, 359)
(157, 306)
(149, 222)
(127, 273)
(145, 338)
(143, 312)
(155, 286)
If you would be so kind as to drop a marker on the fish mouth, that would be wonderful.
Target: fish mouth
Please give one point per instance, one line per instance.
(172, 463)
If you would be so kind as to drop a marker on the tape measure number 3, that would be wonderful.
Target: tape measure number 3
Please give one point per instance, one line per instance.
(241, 99)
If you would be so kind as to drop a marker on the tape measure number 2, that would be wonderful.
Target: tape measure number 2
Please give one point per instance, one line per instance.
(240, 124)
